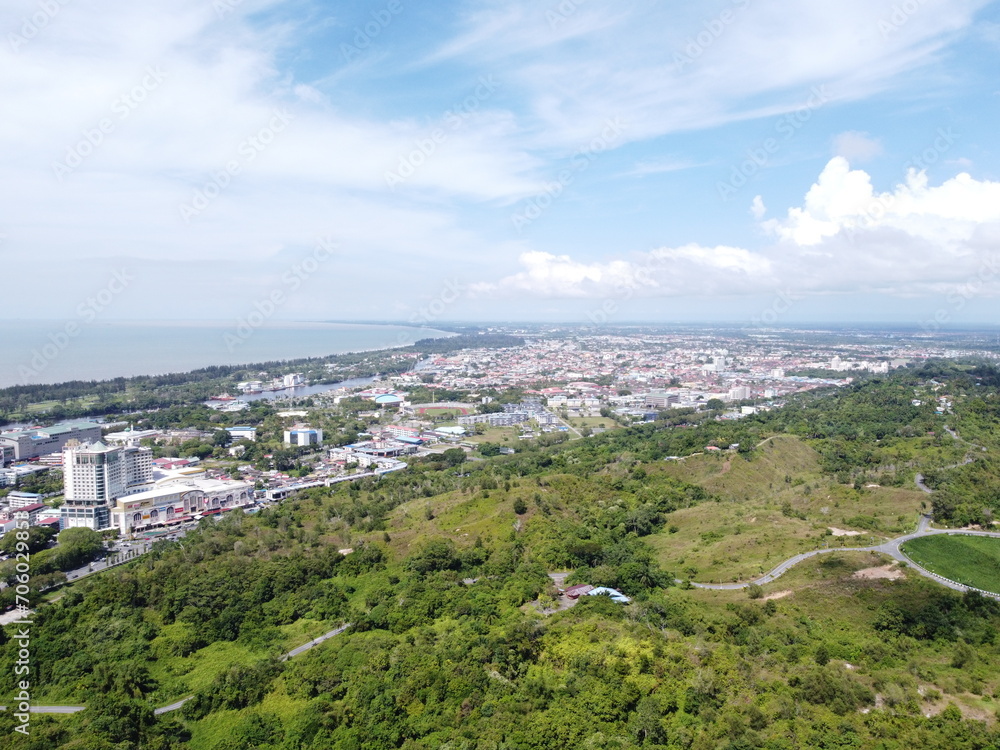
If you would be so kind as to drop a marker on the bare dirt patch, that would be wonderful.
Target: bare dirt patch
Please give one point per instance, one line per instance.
(777, 595)
(843, 532)
(890, 572)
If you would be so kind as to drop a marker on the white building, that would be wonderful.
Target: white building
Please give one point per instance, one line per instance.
(17, 500)
(131, 436)
(178, 500)
(95, 475)
(243, 432)
(36, 442)
(739, 393)
(303, 435)
(293, 379)
(661, 400)
(496, 419)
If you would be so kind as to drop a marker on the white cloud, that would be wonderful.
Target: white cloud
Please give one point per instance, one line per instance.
(680, 271)
(843, 200)
(915, 239)
(856, 147)
(661, 166)
(548, 275)
(757, 208)
(679, 66)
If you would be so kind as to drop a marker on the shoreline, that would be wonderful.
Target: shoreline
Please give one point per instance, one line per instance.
(252, 362)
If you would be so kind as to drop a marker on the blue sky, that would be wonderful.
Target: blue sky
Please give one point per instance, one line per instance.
(578, 161)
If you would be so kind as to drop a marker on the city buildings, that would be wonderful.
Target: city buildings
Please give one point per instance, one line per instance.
(39, 441)
(498, 419)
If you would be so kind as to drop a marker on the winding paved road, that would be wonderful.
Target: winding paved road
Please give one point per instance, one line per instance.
(177, 704)
(890, 548)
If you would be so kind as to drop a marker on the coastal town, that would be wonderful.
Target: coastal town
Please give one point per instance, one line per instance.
(142, 477)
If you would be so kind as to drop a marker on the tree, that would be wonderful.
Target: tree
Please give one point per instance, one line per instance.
(77, 547)
(38, 539)
(822, 655)
(454, 456)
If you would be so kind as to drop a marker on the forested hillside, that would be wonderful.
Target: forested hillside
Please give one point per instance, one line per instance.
(458, 639)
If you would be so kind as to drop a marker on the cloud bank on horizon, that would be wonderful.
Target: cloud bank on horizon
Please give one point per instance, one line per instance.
(689, 161)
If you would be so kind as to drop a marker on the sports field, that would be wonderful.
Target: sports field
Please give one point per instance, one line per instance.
(970, 560)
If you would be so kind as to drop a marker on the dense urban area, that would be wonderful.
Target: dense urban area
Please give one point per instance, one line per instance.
(520, 537)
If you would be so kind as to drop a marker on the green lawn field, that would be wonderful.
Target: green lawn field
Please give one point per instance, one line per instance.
(970, 560)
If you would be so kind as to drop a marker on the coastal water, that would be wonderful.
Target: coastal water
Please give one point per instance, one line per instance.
(33, 352)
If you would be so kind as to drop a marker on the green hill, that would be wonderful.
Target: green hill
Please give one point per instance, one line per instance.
(456, 641)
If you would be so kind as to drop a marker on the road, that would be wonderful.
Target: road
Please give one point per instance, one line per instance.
(177, 704)
(117, 556)
(890, 548)
(315, 642)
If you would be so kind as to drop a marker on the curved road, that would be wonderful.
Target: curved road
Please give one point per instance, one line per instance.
(177, 704)
(890, 548)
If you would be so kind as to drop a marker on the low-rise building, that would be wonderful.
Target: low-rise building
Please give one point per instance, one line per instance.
(39, 441)
(177, 501)
(33, 513)
(17, 499)
(12, 475)
(498, 419)
(243, 432)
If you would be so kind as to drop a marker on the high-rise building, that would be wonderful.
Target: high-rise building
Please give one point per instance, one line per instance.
(95, 476)
(739, 393)
(303, 435)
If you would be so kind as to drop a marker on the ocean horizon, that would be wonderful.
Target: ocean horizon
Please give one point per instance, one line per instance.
(51, 351)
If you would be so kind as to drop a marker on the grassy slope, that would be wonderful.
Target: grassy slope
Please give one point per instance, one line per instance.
(747, 532)
(974, 561)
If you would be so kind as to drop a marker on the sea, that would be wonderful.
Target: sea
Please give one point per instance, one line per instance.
(35, 352)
